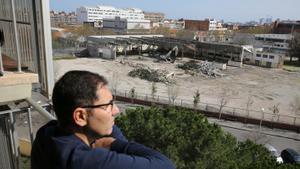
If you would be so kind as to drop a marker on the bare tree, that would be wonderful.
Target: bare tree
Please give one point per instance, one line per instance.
(172, 92)
(115, 82)
(295, 105)
(275, 111)
(224, 99)
(132, 92)
(249, 104)
(196, 100)
(153, 90)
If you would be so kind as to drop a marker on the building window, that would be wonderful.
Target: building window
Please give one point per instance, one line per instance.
(258, 55)
(271, 57)
(265, 56)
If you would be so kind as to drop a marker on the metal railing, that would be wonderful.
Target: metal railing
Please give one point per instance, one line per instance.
(212, 107)
(10, 155)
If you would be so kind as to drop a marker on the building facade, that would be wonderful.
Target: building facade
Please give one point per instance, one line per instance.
(58, 18)
(203, 25)
(117, 23)
(92, 14)
(286, 27)
(266, 59)
(154, 16)
(276, 43)
(196, 25)
(135, 17)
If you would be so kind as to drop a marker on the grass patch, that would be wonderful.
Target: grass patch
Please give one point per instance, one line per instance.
(64, 57)
(291, 68)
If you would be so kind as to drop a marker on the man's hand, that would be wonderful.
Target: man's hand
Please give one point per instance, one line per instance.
(104, 142)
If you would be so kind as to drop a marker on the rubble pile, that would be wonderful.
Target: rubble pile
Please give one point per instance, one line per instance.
(149, 74)
(204, 68)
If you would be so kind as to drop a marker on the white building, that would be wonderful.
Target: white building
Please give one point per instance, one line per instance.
(215, 25)
(135, 17)
(212, 25)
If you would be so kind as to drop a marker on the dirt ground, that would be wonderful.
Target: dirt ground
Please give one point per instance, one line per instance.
(268, 87)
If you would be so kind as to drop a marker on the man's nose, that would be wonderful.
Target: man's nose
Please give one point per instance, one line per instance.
(115, 110)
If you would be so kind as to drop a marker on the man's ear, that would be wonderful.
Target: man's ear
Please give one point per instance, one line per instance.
(80, 116)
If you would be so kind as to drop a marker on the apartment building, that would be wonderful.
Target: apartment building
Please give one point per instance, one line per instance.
(58, 18)
(98, 13)
(154, 16)
(135, 17)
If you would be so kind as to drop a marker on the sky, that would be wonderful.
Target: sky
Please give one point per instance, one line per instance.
(227, 10)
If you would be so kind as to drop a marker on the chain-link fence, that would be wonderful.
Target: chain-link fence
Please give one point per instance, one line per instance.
(263, 115)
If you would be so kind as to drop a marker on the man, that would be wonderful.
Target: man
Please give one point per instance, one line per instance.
(84, 135)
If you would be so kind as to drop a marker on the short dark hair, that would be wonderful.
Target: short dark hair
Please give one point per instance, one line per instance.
(75, 89)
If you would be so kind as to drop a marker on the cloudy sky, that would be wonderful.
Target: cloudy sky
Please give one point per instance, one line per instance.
(228, 10)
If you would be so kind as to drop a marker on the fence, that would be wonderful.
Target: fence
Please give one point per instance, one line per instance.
(10, 155)
(215, 110)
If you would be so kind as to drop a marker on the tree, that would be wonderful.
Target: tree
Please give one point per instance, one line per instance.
(295, 105)
(196, 100)
(295, 47)
(115, 82)
(185, 34)
(153, 90)
(172, 92)
(132, 92)
(191, 142)
(248, 105)
(275, 111)
(162, 31)
(224, 99)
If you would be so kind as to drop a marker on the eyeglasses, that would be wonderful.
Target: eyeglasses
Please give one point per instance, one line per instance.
(100, 105)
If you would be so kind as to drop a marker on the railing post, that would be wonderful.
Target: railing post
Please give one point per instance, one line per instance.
(181, 102)
(16, 33)
(295, 118)
(29, 116)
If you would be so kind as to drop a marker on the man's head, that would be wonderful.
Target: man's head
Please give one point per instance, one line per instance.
(74, 98)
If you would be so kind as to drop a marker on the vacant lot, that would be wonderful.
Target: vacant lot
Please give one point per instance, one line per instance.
(267, 87)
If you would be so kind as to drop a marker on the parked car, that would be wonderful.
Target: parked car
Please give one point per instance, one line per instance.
(290, 156)
(274, 153)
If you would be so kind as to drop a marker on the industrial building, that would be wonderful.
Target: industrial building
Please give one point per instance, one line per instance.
(275, 43)
(110, 47)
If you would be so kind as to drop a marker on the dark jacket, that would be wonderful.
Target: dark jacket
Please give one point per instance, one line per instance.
(54, 149)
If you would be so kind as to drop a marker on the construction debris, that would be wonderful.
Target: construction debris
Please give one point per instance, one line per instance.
(204, 68)
(151, 75)
(170, 56)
